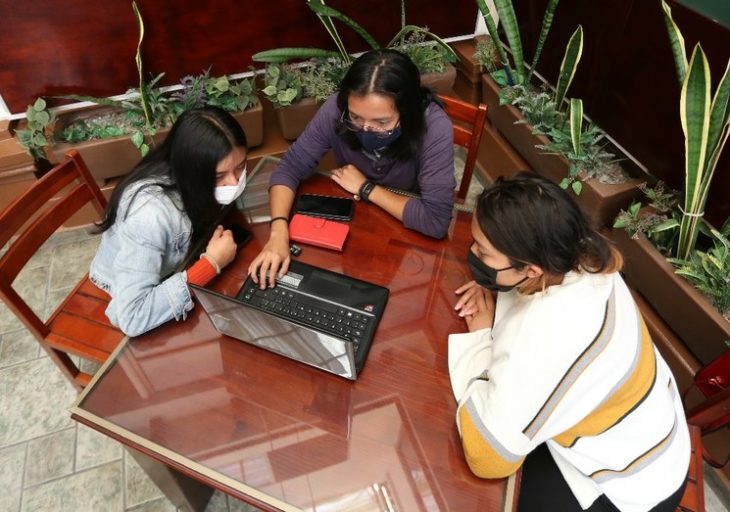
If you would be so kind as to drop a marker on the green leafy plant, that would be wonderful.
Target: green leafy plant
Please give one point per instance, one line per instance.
(537, 106)
(321, 77)
(428, 56)
(705, 123)
(709, 271)
(515, 75)
(408, 37)
(658, 222)
(282, 86)
(584, 149)
(486, 54)
(35, 138)
(232, 96)
(285, 84)
(102, 127)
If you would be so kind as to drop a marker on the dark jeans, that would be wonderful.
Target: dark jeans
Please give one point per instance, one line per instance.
(544, 489)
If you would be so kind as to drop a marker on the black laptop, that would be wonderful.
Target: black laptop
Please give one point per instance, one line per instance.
(315, 316)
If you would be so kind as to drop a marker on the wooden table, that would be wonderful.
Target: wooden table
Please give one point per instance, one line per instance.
(284, 436)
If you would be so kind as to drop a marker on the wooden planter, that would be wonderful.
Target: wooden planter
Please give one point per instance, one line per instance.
(440, 83)
(601, 202)
(294, 118)
(113, 157)
(688, 312)
(105, 158)
(252, 122)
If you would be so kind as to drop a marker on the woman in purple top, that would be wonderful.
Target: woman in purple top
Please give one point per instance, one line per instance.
(386, 131)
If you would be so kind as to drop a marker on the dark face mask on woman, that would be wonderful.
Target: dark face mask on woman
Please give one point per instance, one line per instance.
(486, 276)
(372, 141)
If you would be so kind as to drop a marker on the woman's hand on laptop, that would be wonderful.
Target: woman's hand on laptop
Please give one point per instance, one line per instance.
(273, 259)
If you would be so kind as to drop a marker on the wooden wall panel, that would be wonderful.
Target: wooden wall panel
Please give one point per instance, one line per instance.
(627, 80)
(49, 47)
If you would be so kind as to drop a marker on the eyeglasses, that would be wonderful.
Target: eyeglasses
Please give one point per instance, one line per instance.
(355, 126)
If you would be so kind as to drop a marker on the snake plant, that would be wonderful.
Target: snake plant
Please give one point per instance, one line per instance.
(508, 20)
(706, 126)
(573, 53)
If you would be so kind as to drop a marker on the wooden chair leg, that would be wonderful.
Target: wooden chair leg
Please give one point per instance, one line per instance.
(693, 499)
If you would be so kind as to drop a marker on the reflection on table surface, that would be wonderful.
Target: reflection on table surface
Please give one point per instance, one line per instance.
(249, 421)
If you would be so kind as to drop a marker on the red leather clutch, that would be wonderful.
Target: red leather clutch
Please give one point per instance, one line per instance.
(317, 231)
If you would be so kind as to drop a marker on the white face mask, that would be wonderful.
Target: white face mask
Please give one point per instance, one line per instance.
(229, 193)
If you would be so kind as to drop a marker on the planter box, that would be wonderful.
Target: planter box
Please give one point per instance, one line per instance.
(105, 158)
(496, 156)
(14, 182)
(601, 202)
(687, 311)
(113, 157)
(440, 83)
(468, 65)
(294, 118)
(252, 122)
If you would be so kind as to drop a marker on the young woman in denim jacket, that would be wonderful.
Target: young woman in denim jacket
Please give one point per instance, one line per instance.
(160, 212)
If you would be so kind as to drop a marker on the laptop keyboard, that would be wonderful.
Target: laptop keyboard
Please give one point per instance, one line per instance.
(315, 313)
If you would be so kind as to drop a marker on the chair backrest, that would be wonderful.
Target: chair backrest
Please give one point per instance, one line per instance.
(28, 225)
(468, 130)
(713, 412)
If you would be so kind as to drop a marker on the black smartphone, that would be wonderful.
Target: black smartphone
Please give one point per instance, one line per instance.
(328, 207)
(240, 235)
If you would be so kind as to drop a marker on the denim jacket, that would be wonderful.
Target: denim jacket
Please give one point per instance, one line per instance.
(138, 258)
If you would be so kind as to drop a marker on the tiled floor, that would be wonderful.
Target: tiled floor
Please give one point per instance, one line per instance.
(50, 463)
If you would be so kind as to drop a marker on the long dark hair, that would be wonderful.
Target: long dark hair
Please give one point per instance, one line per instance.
(389, 73)
(186, 162)
(531, 220)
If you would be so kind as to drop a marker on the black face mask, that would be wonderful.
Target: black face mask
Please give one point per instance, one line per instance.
(486, 276)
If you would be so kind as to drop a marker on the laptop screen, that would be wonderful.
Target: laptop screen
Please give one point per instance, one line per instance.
(278, 335)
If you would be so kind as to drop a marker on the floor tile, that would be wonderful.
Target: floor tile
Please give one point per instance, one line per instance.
(158, 505)
(50, 457)
(94, 449)
(139, 488)
(71, 261)
(54, 299)
(12, 460)
(90, 367)
(218, 502)
(235, 505)
(97, 490)
(18, 347)
(34, 398)
(31, 285)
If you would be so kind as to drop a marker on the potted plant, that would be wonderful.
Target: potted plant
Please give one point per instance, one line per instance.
(238, 97)
(297, 92)
(549, 131)
(690, 313)
(36, 136)
(432, 57)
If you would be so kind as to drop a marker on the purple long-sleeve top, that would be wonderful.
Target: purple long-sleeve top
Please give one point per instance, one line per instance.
(430, 173)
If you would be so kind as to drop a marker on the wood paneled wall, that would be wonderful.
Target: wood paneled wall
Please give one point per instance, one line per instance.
(49, 47)
(627, 78)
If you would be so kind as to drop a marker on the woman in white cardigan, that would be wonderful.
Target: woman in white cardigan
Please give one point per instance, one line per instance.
(558, 373)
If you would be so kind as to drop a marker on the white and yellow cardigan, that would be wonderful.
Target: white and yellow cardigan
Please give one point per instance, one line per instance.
(575, 367)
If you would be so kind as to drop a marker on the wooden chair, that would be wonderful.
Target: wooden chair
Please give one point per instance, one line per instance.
(710, 415)
(468, 127)
(79, 325)
(693, 499)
